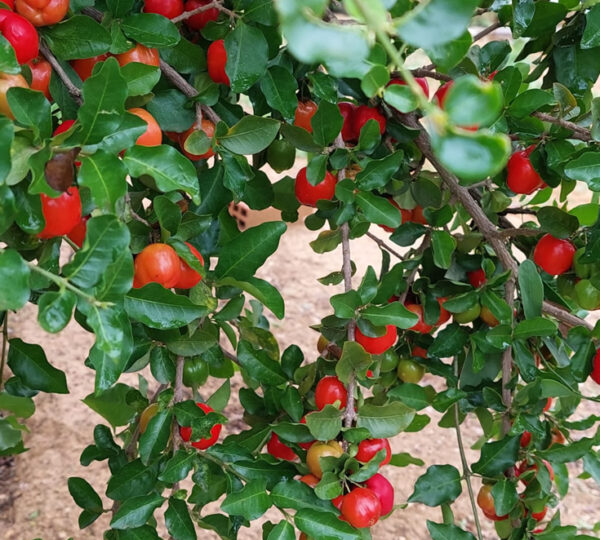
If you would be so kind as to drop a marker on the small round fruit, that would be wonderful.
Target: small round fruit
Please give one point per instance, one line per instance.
(319, 450)
(361, 508)
(525, 439)
(595, 374)
(41, 71)
(347, 111)
(200, 20)
(421, 326)
(310, 480)
(368, 448)
(61, 213)
(21, 34)
(582, 270)
(304, 113)
(42, 12)
(195, 372)
(421, 81)
(77, 233)
(488, 317)
(157, 263)
(444, 313)
(141, 54)
(468, 315)
(554, 255)
(485, 501)
(6, 83)
(522, 178)
(188, 277)
(280, 450)
(202, 444)
(418, 352)
(539, 516)
(378, 345)
(523, 468)
(308, 194)
(417, 216)
(548, 405)
(381, 486)
(365, 113)
(209, 128)
(216, 59)
(329, 390)
(410, 371)
(281, 155)
(84, 67)
(153, 134)
(147, 414)
(167, 8)
(477, 278)
(586, 295)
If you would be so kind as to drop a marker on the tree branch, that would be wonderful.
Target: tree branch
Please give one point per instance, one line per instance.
(486, 31)
(213, 5)
(74, 92)
(385, 246)
(177, 397)
(4, 344)
(431, 74)
(579, 132)
(507, 361)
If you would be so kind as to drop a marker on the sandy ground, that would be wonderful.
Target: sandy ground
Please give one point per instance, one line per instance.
(62, 425)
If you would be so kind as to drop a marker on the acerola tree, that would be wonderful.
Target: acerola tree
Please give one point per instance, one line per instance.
(126, 131)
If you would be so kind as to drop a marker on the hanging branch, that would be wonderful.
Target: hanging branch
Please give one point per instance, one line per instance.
(74, 92)
(385, 246)
(579, 132)
(486, 31)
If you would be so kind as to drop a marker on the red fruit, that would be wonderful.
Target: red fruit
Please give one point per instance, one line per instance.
(202, 444)
(361, 508)
(485, 501)
(595, 374)
(21, 34)
(378, 345)
(538, 516)
(61, 213)
(310, 480)
(381, 486)
(444, 313)
(216, 59)
(548, 405)
(157, 263)
(42, 12)
(363, 114)
(279, 450)
(140, 54)
(328, 391)
(554, 255)
(167, 8)
(153, 134)
(337, 501)
(347, 110)
(304, 113)
(305, 445)
(308, 194)
(85, 66)
(421, 326)
(524, 467)
(525, 439)
(477, 278)
(522, 177)
(421, 81)
(418, 216)
(77, 234)
(40, 76)
(406, 216)
(188, 277)
(369, 447)
(440, 96)
(200, 20)
(209, 128)
(419, 351)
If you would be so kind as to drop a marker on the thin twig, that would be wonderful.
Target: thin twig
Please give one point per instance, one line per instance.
(431, 74)
(212, 5)
(507, 361)
(177, 397)
(74, 92)
(4, 344)
(413, 273)
(385, 246)
(579, 132)
(507, 233)
(231, 357)
(486, 31)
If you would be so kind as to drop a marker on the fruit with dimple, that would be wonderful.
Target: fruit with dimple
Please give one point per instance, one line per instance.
(195, 372)
(522, 178)
(363, 114)
(319, 450)
(485, 501)
(554, 255)
(329, 390)
(153, 134)
(202, 444)
(42, 12)
(41, 71)
(361, 508)
(488, 317)
(61, 213)
(347, 111)
(304, 113)
(216, 60)
(77, 233)
(477, 278)
(157, 263)
(308, 194)
(378, 344)
(167, 8)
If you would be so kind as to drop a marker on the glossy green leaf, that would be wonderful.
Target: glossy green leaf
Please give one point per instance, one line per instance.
(136, 511)
(251, 502)
(14, 280)
(385, 420)
(247, 56)
(178, 520)
(440, 484)
(151, 30)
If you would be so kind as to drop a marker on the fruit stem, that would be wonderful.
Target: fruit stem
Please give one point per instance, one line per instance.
(463, 459)
(3, 353)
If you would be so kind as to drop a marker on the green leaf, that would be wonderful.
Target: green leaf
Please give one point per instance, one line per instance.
(471, 101)
(282, 531)
(105, 175)
(112, 405)
(449, 341)
(448, 55)
(586, 168)
(529, 101)
(297, 495)
(373, 81)
(250, 135)
(385, 420)
(400, 97)
(29, 363)
(84, 494)
(259, 365)
(345, 304)
(378, 172)
(242, 256)
(443, 244)
(31, 109)
(404, 460)
(203, 339)
(55, 310)
(412, 395)
(65, 38)
(532, 289)
(394, 314)
(140, 78)
(136, 511)
(157, 307)
(170, 170)
(8, 58)
(132, 479)
(325, 424)
(497, 456)
(354, 359)
(279, 87)
(251, 502)
(326, 123)
(591, 34)
(8, 208)
(440, 484)
(557, 222)
(151, 30)
(247, 56)
(14, 280)
(536, 327)
(22, 407)
(10, 437)
(378, 209)
(324, 525)
(439, 531)
(436, 22)
(119, 8)
(263, 291)
(154, 440)
(178, 467)
(505, 496)
(178, 520)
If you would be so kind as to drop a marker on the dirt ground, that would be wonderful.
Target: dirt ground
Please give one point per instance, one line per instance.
(62, 425)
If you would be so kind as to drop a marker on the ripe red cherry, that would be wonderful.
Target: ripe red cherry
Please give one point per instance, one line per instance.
(538, 516)
(361, 508)
(9, 3)
(440, 95)
(421, 81)
(522, 178)
(216, 59)
(188, 277)
(77, 234)
(85, 66)
(308, 194)
(381, 486)
(369, 447)
(363, 114)
(418, 216)
(21, 34)
(209, 128)
(548, 405)
(378, 345)
(524, 467)
(421, 326)
(61, 213)
(40, 76)
(485, 501)
(202, 444)
(329, 390)
(595, 374)
(167, 8)
(477, 278)
(554, 255)
(347, 111)
(279, 450)
(305, 445)
(444, 313)
(304, 113)
(140, 54)
(157, 263)
(407, 215)
(200, 20)
(525, 439)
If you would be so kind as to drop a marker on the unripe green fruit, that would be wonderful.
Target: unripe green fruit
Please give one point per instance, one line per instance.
(468, 316)
(581, 269)
(586, 295)
(281, 155)
(389, 361)
(195, 372)
(566, 286)
(410, 371)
